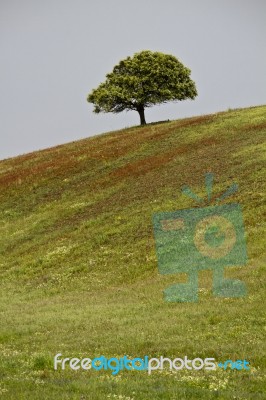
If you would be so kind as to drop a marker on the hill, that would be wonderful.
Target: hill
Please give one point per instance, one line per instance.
(79, 273)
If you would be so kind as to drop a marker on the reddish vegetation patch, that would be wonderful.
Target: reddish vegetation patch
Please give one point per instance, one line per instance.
(252, 127)
(39, 169)
(148, 163)
(124, 142)
(65, 158)
(120, 145)
(195, 121)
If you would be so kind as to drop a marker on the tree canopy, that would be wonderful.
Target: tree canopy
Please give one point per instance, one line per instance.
(141, 81)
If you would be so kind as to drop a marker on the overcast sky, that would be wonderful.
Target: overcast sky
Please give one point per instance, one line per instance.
(54, 52)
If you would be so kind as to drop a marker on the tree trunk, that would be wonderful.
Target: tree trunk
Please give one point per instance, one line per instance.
(140, 110)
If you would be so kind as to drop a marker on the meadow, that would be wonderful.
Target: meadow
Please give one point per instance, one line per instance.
(79, 273)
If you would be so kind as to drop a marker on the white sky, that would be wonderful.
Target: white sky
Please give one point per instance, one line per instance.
(54, 52)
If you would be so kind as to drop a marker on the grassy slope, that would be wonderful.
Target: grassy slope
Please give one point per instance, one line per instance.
(78, 267)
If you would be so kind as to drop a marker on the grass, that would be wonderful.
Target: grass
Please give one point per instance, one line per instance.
(79, 274)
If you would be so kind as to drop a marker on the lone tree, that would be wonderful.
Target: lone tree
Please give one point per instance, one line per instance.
(146, 79)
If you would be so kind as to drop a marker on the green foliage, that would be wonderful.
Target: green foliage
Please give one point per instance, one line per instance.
(146, 79)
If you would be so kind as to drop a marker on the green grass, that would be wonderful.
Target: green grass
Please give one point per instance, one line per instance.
(78, 266)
